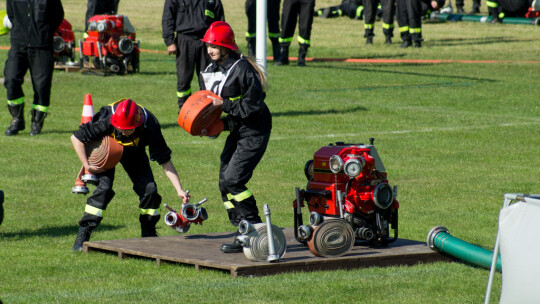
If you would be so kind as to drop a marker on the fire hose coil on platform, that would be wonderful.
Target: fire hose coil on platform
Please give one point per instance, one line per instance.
(257, 247)
(198, 113)
(104, 153)
(332, 238)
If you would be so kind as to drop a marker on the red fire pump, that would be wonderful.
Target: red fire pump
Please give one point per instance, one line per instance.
(111, 45)
(349, 199)
(64, 44)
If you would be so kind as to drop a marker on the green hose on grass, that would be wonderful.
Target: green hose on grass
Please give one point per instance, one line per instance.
(439, 239)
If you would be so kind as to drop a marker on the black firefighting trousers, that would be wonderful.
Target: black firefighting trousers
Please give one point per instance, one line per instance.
(409, 18)
(191, 55)
(40, 62)
(137, 166)
(239, 158)
(272, 12)
(370, 12)
(293, 10)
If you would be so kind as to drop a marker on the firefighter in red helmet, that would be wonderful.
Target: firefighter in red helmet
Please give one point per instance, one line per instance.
(135, 128)
(240, 84)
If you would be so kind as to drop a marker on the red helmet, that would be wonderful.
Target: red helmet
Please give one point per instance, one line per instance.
(220, 33)
(127, 115)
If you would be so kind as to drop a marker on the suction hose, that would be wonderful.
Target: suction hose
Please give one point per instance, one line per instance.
(483, 19)
(439, 239)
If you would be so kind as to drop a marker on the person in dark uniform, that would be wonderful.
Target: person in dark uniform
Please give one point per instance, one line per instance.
(475, 7)
(33, 27)
(409, 17)
(184, 23)
(100, 7)
(350, 8)
(370, 11)
(498, 9)
(272, 10)
(239, 82)
(135, 128)
(293, 10)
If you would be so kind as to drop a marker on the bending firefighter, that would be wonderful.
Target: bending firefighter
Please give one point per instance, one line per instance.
(351, 8)
(135, 128)
(239, 82)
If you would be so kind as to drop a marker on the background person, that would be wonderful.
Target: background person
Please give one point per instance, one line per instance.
(184, 23)
(272, 11)
(293, 10)
(239, 82)
(135, 128)
(33, 27)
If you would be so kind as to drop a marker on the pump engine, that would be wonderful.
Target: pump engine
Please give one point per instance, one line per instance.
(349, 199)
(111, 45)
(64, 44)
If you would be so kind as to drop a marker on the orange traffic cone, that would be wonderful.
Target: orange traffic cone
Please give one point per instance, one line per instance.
(88, 109)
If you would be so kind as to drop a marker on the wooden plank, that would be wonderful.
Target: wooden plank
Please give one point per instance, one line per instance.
(203, 251)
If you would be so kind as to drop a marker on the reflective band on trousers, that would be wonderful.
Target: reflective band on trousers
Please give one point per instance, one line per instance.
(404, 29)
(492, 4)
(359, 11)
(152, 212)
(282, 40)
(40, 108)
(249, 35)
(369, 26)
(240, 196)
(303, 41)
(15, 102)
(228, 205)
(183, 94)
(387, 26)
(415, 30)
(94, 211)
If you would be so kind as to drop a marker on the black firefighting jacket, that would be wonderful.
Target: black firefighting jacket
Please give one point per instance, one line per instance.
(34, 21)
(147, 134)
(243, 96)
(189, 18)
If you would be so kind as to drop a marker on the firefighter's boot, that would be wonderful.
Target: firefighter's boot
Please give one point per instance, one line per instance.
(251, 42)
(148, 225)
(17, 119)
(302, 52)
(181, 101)
(275, 49)
(38, 118)
(284, 58)
(82, 236)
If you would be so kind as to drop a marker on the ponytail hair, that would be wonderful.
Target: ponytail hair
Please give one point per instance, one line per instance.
(259, 69)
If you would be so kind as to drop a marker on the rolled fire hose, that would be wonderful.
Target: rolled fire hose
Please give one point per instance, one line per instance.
(255, 241)
(104, 153)
(198, 114)
(483, 19)
(332, 238)
(439, 239)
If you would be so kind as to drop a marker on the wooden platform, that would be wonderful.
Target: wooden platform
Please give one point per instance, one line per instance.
(67, 68)
(202, 251)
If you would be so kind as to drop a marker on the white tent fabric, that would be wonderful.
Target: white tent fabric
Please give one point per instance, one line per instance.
(519, 232)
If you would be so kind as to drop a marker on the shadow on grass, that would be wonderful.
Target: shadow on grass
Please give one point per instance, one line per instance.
(474, 41)
(53, 231)
(320, 112)
(375, 70)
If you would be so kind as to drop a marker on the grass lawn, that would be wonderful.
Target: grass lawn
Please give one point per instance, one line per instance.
(453, 136)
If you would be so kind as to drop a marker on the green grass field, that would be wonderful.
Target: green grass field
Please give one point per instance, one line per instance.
(453, 136)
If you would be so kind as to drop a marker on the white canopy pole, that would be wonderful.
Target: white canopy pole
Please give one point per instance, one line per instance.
(260, 49)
